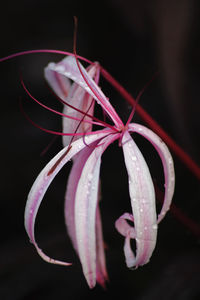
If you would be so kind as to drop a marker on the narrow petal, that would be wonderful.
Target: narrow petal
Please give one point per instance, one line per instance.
(68, 67)
(85, 210)
(143, 204)
(167, 162)
(43, 181)
(75, 173)
(78, 163)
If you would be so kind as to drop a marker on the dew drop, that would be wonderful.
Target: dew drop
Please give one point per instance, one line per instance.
(155, 226)
(90, 176)
(170, 161)
(134, 158)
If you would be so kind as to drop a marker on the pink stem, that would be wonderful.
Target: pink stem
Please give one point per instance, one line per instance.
(183, 156)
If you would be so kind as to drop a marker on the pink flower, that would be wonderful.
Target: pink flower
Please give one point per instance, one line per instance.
(82, 214)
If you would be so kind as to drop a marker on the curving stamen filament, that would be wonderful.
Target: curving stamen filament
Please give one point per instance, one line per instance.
(103, 123)
(57, 132)
(60, 113)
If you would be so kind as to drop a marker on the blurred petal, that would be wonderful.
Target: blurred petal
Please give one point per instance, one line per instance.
(43, 181)
(167, 162)
(143, 204)
(60, 84)
(85, 210)
(75, 96)
(69, 68)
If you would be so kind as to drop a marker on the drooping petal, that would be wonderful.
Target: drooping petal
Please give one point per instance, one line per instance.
(75, 173)
(43, 181)
(69, 68)
(85, 210)
(167, 162)
(142, 196)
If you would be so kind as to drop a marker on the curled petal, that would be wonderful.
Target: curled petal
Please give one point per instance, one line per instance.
(85, 211)
(43, 181)
(123, 227)
(143, 204)
(167, 162)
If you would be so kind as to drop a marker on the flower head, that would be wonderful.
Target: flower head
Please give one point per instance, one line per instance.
(82, 213)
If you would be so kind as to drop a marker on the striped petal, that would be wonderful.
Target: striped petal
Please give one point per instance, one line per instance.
(86, 211)
(43, 181)
(142, 196)
(167, 162)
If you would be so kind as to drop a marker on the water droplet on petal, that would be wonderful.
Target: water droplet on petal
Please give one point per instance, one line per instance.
(155, 226)
(134, 158)
(90, 176)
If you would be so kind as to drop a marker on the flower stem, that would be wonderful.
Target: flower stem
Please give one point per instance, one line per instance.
(183, 156)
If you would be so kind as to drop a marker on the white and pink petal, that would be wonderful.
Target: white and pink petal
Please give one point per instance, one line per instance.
(86, 212)
(142, 196)
(43, 181)
(167, 162)
(69, 68)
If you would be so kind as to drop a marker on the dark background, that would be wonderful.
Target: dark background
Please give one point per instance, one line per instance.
(133, 40)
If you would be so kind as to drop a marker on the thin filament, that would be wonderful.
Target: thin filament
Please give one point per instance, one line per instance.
(55, 111)
(56, 132)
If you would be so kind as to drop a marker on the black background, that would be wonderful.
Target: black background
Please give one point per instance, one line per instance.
(133, 40)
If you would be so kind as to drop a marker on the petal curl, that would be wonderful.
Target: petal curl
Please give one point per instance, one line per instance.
(142, 196)
(85, 210)
(167, 162)
(43, 181)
